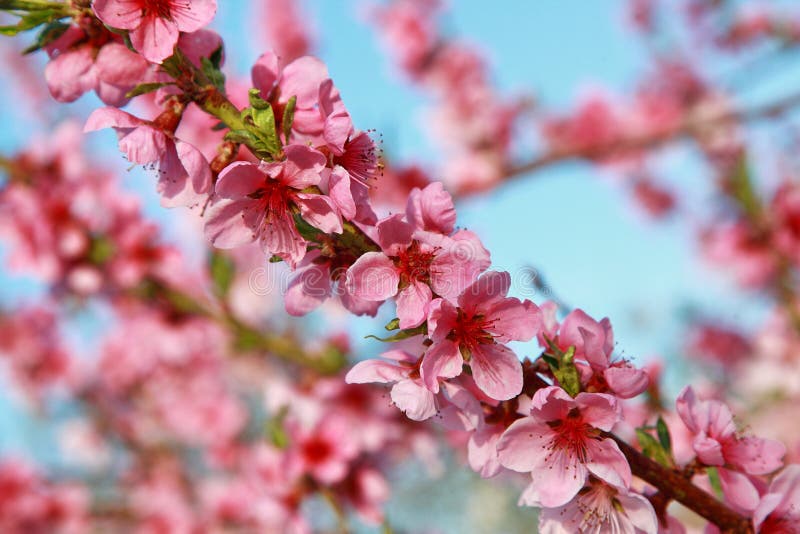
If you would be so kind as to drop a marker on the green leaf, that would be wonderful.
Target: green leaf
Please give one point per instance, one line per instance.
(216, 57)
(288, 117)
(30, 21)
(394, 324)
(47, 35)
(742, 189)
(212, 72)
(256, 102)
(244, 137)
(308, 232)
(223, 271)
(563, 368)
(652, 448)
(716, 483)
(663, 435)
(402, 334)
(264, 120)
(275, 259)
(144, 88)
(275, 431)
(101, 250)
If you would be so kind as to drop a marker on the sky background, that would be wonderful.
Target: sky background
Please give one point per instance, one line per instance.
(573, 224)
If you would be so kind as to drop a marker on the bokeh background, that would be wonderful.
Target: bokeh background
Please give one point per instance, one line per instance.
(571, 223)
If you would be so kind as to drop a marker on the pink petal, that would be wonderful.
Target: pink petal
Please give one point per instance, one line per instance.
(599, 410)
(176, 187)
(525, 445)
(368, 371)
(340, 192)
(265, 74)
(111, 117)
(373, 277)
(412, 304)
(308, 289)
(239, 179)
(394, 234)
(459, 262)
(496, 371)
(302, 167)
(71, 74)
(708, 450)
(488, 290)
(626, 382)
(144, 144)
(192, 17)
(559, 480)
(482, 452)
(155, 38)
(280, 237)
(756, 456)
(123, 14)
(119, 66)
(320, 212)
(738, 489)
(431, 209)
(416, 401)
(515, 320)
(302, 78)
(551, 404)
(442, 360)
(606, 462)
(441, 319)
(228, 224)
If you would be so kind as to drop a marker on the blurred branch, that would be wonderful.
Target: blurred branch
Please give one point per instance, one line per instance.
(690, 128)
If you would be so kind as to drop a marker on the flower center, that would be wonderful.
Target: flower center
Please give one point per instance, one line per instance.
(360, 159)
(157, 8)
(470, 331)
(414, 264)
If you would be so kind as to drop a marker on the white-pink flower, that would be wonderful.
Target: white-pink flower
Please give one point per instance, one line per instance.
(561, 443)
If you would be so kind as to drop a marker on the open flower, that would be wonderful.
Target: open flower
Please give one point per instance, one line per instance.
(256, 202)
(475, 332)
(561, 443)
(184, 174)
(599, 507)
(716, 443)
(413, 265)
(594, 343)
(155, 25)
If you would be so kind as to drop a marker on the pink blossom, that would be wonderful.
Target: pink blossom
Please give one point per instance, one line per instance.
(409, 393)
(285, 28)
(475, 332)
(79, 64)
(778, 511)
(561, 444)
(184, 174)
(416, 266)
(255, 202)
(326, 450)
(716, 443)
(302, 78)
(599, 507)
(593, 342)
(154, 25)
(316, 279)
